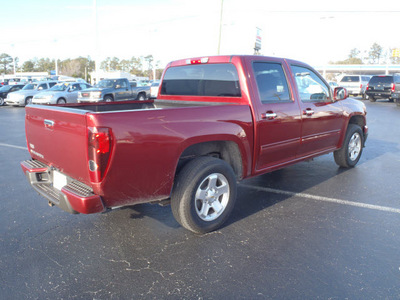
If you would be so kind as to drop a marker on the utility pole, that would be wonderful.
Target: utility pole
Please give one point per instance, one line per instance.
(220, 27)
(96, 25)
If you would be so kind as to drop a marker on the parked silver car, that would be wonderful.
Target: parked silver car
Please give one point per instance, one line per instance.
(64, 92)
(24, 96)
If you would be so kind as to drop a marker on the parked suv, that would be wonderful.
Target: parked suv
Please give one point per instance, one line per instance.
(384, 87)
(355, 84)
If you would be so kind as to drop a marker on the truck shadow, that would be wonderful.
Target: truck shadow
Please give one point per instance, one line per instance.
(320, 177)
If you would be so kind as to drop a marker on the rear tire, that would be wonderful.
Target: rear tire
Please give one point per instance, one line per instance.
(372, 99)
(141, 97)
(204, 194)
(1, 101)
(350, 153)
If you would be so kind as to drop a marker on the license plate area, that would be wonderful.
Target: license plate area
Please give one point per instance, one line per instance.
(59, 180)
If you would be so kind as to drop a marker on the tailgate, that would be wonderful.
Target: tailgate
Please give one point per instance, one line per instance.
(57, 137)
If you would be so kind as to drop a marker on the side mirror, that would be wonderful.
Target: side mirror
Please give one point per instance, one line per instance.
(340, 93)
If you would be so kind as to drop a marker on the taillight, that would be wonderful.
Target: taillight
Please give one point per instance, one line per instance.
(367, 88)
(361, 86)
(393, 87)
(203, 60)
(99, 150)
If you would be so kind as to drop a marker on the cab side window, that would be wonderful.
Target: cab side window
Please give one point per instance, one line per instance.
(75, 87)
(311, 88)
(121, 84)
(43, 86)
(271, 82)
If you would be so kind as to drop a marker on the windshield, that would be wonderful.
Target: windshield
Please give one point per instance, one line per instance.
(31, 86)
(5, 88)
(105, 84)
(381, 80)
(60, 87)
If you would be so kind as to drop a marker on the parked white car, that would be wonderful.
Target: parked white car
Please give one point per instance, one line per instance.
(154, 89)
(64, 92)
(24, 96)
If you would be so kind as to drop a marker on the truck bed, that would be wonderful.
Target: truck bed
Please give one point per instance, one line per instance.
(138, 105)
(147, 140)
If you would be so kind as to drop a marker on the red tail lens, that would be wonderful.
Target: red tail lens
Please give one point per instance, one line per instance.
(361, 86)
(367, 87)
(99, 150)
(203, 60)
(393, 87)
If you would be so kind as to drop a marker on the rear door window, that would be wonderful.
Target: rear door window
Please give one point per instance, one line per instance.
(218, 80)
(271, 82)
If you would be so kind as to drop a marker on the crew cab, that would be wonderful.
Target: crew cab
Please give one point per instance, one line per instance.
(216, 121)
(114, 90)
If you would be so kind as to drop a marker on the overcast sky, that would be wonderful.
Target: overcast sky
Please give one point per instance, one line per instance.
(315, 32)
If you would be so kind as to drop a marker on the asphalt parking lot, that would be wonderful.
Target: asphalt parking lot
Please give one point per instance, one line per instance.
(310, 231)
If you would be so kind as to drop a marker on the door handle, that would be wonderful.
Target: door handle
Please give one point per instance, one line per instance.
(49, 124)
(308, 112)
(269, 115)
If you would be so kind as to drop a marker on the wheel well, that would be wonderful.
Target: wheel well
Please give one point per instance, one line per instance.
(62, 99)
(108, 95)
(358, 120)
(225, 150)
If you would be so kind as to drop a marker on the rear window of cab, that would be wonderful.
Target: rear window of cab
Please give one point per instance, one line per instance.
(217, 80)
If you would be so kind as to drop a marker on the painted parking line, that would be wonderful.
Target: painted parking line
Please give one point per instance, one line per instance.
(13, 146)
(324, 199)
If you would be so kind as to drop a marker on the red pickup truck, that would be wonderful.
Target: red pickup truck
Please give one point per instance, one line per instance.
(216, 120)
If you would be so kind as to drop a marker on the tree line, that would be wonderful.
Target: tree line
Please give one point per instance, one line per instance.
(375, 55)
(82, 66)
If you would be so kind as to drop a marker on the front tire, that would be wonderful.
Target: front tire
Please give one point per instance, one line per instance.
(204, 194)
(350, 153)
(1, 101)
(28, 100)
(141, 97)
(61, 101)
(108, 99)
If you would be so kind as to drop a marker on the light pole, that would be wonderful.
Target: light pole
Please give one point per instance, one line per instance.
(56, 60)
(13, 57)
